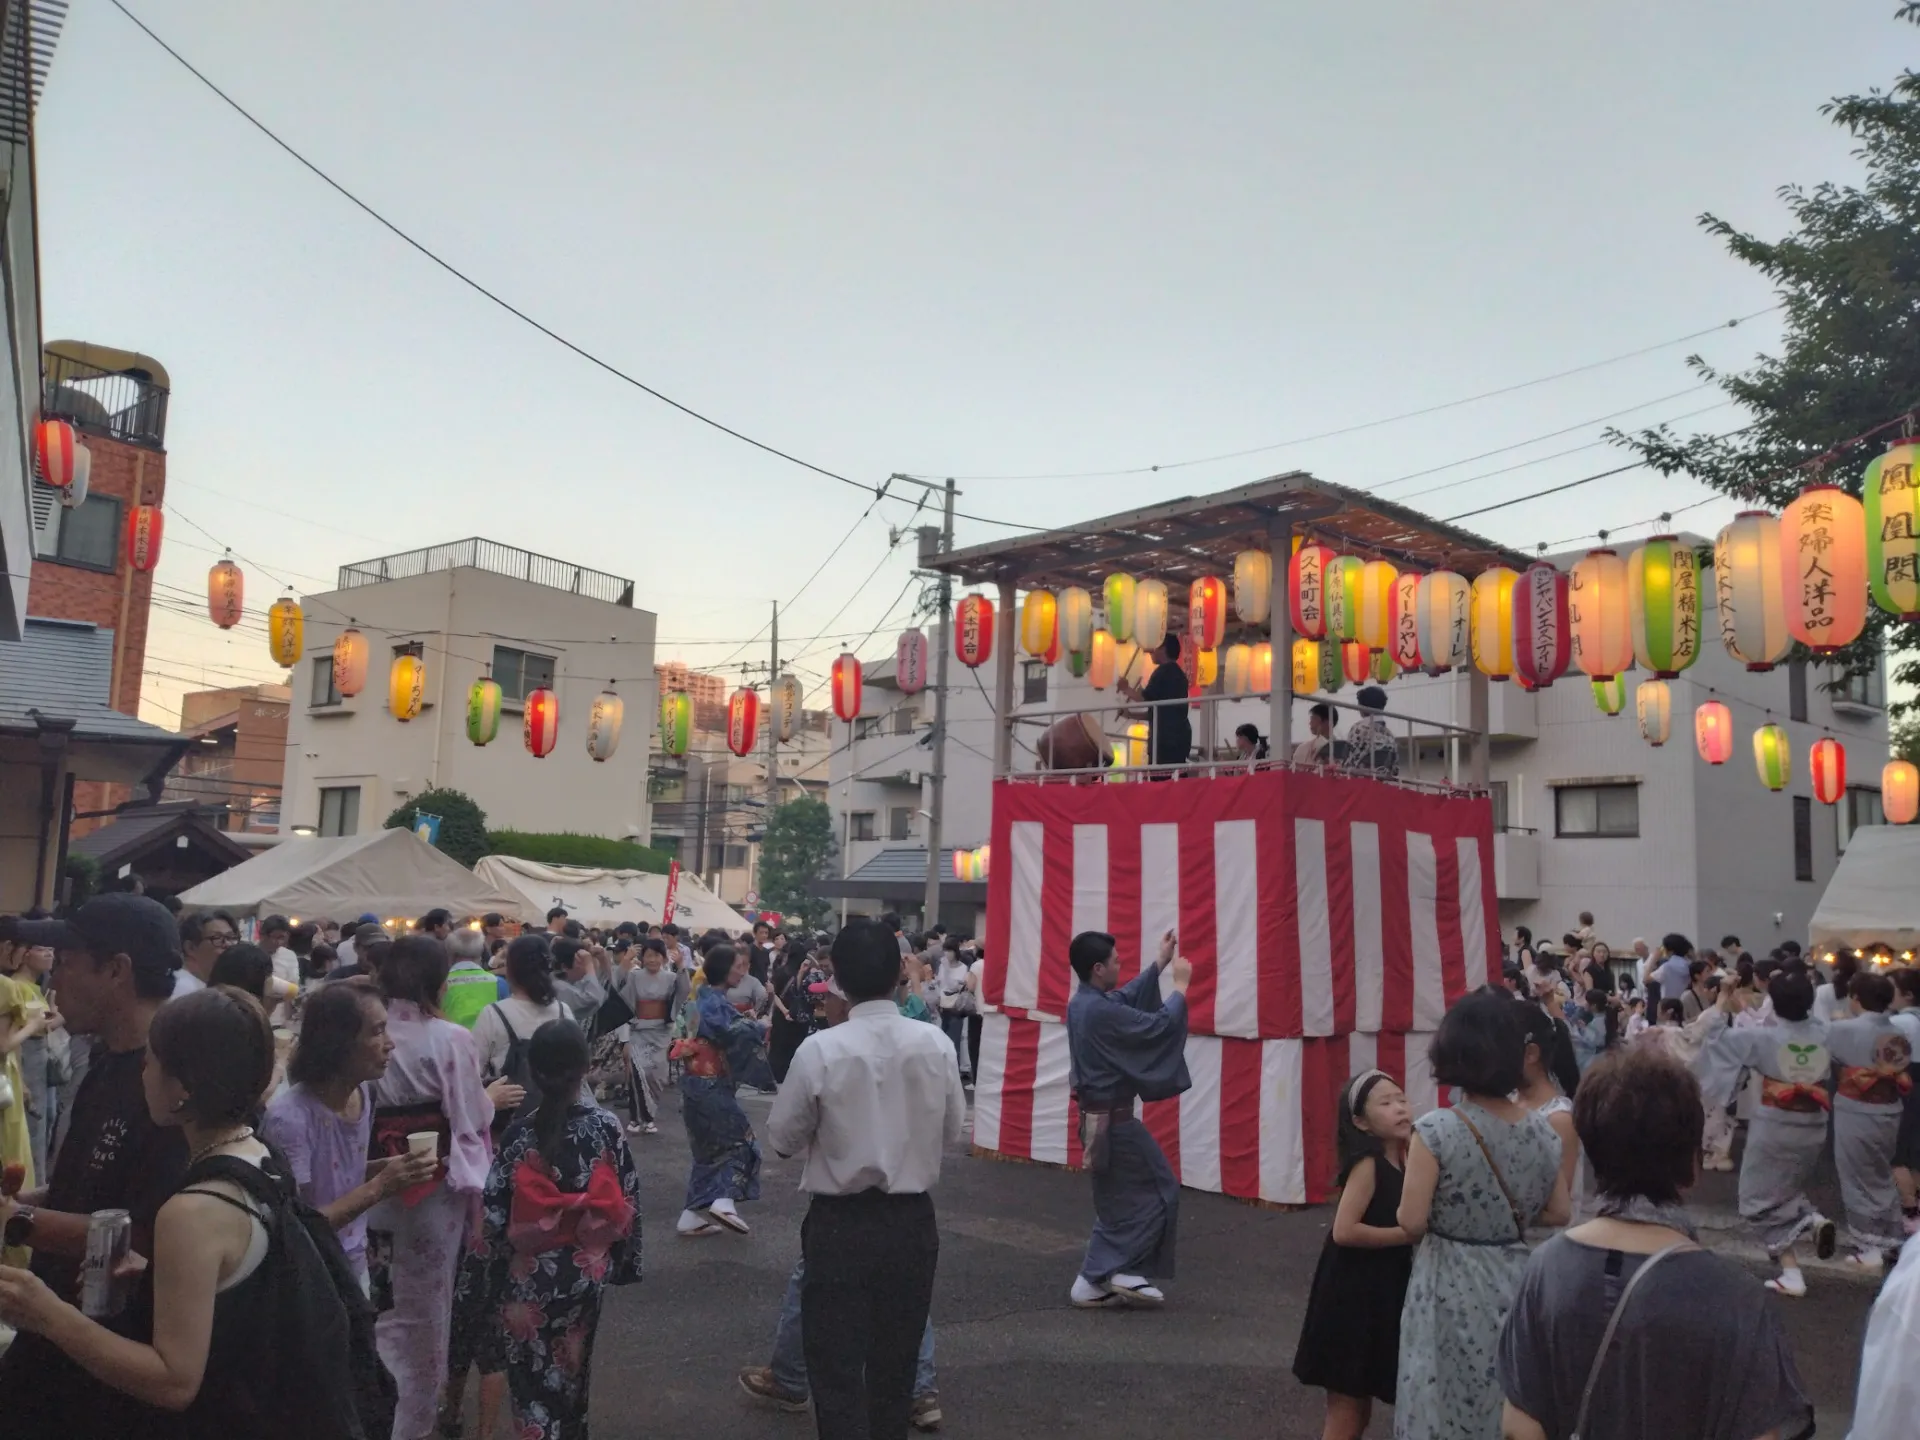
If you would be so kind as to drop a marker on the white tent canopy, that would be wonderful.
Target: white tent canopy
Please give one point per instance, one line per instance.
(607, 897)
(1872, 897)
(389, 873)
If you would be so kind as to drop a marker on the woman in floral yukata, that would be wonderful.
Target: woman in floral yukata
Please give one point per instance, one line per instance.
(562, 1222)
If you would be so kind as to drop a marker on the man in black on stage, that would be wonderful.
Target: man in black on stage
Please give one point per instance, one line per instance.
(1170, 732)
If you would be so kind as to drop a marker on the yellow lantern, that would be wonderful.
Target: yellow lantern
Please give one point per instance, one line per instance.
(1746, 580)
(1137, 744)
(1150, 614)
(226, 588)
(1253, 586)
(1653, 703)
(604, 720)
(1900, 791)
(286, 631)
(1207, 668)
(1893, 531)
(676, 722)
(1237, 669)
(1663, 605)
(1772, 756)
(1039, 622)
(1260, 676)
(1377, 581)
(1119, 593)
(1443, 602)
(1823, 568)
(1076, 618)
(1100, 659)
(1306, 666)
(1492, 622)
(406, 686)
(350, 662)
(1597, 611)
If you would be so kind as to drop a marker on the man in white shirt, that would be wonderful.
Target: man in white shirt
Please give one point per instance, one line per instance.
(203, 940)
(871, 1104)
(275, 932)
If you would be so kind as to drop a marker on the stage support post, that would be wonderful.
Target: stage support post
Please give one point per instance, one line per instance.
(1280, 630)
(1477, 721)
(1005, 622)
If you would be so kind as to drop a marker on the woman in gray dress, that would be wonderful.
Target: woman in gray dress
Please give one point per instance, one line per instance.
(1477, 1175)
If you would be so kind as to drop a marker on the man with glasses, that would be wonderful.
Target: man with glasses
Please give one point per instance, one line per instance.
(203, 939)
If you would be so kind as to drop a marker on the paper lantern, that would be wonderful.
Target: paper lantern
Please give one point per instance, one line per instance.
(1236, 670)
(1653, 703)
(226, 593)
(1306, 666)
(1253, 586)
(846, 685)
(1772, 757)
(1052, 657)
(1133, 663)
(1610, 694)
(1900, 791)
(483, 710)
(1120, 593)
(1374, 625)
(1333, 673)
(1343, 597)
(983, 862)
(604, 720)
(743, 721)
(1356, 661)
(1441, 607)
(1260, 676)
(1101, 656)
(1713, 732)
(1382, 669)
(406, 686)
(1039, 622)
(1307, 589)
(962, 864)
(1542, 638)
(1663, 605)
(1149, 614)
(54, 444)
(540, 722)
(676, 722)
(1597, 611)
(350, 662)
(1827, 764)
(1405, 620)
(1823, 568)
(1190, 667)
(1076, 619)
(785, 700)
(286, 631)
(1206, 667)
(910, 661)
(973, 631)
(1077, 662)
(75, 495)
(144, 526)
(1137, 744)
(1893, 530)
(1491, 624)
(1206, 612)
(1747, 590)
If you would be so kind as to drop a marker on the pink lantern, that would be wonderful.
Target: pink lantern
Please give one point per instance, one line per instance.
(1542, 638)
(910, 661)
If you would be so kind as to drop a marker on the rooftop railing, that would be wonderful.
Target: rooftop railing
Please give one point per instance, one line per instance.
(495, 558)
(119, 404)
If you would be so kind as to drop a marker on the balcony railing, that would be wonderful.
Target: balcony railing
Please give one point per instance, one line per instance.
(497, 559)
(123, 405)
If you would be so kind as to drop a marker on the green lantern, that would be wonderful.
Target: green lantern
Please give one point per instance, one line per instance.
(1118, 593)
(676, 722)
(1610, 694)
(1893, 530)
(1077, 662)
(1343, 597)
(1381, 668)
(1772, 756)
(483, 710)
(1332, 674)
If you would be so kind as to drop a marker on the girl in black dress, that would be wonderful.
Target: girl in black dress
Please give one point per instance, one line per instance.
(1350, 1340)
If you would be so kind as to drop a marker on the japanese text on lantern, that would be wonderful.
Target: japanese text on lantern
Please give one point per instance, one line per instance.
(1724, 602)
(1899, 565)
(1816, 580)
(1310, 593)
(1686, 611)
(1544, 632)
(1457, 621)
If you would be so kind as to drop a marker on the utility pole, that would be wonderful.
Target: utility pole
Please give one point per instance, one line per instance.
(773, 727)
(943, 643)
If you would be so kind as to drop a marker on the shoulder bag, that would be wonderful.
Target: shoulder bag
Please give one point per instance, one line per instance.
(1519, 1220)
(1613, 1323)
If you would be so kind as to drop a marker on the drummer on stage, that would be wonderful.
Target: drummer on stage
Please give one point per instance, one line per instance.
(1170, 732)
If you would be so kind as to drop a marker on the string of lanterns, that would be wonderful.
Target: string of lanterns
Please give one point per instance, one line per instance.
(971, 865)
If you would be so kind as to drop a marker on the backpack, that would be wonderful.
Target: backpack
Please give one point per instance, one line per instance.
(517, 1068)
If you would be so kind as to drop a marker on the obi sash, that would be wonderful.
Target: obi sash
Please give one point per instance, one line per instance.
(1872, 1086)
(391, 1126)
(650, 1009)
(1794, 1099)
(701, 1057)
(544, 1217)
(745, 1007)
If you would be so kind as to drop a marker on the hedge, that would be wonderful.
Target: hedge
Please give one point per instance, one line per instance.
(568, 848)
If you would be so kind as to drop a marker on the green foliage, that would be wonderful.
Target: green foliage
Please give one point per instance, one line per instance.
(82, 874)
(463, 824)
(1904, 740)
(567, 848)
(796, 850)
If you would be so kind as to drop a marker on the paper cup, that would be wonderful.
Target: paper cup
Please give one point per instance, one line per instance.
(423, 1143)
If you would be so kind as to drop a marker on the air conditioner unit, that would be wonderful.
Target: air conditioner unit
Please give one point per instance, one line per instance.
(44, 500)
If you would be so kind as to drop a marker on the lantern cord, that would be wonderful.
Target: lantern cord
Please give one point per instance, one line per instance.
(1550, 490)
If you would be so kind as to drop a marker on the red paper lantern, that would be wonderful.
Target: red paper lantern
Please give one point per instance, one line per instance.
(1207, 612)
(743, 721)
(226, 593)
(973, 631)
(1356, 662)
(1713, 732)
(846, 686)
(1828, 762)
(1307, 590)
(144, 524)
(54, 451)
(541, 722)
(1542, 636)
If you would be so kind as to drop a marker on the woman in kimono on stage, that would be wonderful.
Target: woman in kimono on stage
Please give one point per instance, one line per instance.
(721, 1049)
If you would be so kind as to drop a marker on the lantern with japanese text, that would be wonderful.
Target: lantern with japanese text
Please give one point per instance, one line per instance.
(1491, 627)
(1100, 659)
(1713, 732)
(1823, 568)
(226, 592)
(1253, 586)
(1332, 672)
(1356, 662)
(1306, 666)
(1653, 703)
(1236, 670)
(743, 721)
(1663, 605)
(1772, 756)
(1260, 674)
(406, 685)
(784, 701)
(1039, 622)
(350, 662)
(483, 710)
(1405, 620)
(1190, 667)
(1892, 493)
(144, 526)
(1610, 694)
(846, 685)
(1374, 627)
(1747, 590)
(1900, 791)
(1307, 589)
(1206, 668)
(75, 495)
(1076, 619)
(540, 722)
(1206, 612)
(1149, 614)
(604, 720)
(1343, 597)
(286, 631)
(1542, 638)
(676, 722)
(1381, 668)
(973, 631)
(1598, 614)
(1441, 607)
(1120, 593)
(1827, 764)
(54, 447)
(910, 661)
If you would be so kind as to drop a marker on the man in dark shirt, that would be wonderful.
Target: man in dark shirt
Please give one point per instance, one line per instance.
(114, 966)
(1170, 732)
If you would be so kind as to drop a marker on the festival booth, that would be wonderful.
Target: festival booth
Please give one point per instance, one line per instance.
(1871, 899)
(604, 898)
(390, 873)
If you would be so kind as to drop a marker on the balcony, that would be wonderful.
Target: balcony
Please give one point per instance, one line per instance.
(1516, 865)
(103, 391)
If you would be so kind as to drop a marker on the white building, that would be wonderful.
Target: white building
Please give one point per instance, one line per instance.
(470, 608)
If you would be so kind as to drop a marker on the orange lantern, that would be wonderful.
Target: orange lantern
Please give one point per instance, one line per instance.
(1827, 762)
(226, 592)
(286, 631)
(1600, 617)
(144, 524)
(1823, 568)
(540, 722)
(743, 720)
(973, 631)
(406, 686)
(1101, 660)
(1379, 582)
(1260, 675)
(1900, 791)
(1207, 612)
(1039, 623)
(54, 447)
(846, 686)
(1713, 732)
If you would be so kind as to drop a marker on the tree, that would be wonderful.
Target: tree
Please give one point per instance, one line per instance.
(796, 850)
(1848, 278)
(463, 824)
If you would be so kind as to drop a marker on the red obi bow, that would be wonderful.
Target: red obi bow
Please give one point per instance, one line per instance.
(1873, 1086)
(545, 1217)
(1796, 1099)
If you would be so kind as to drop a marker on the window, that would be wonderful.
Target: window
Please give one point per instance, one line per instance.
(340, 810)
(323, 691)
(520, 671)
(900, 823)
(1797, 689)
(90, 533)
(1609, 811)
(903, 720)
(1857, 808)
(866, 727)
(1803, 837)
(736, 793)
(1499, 790)
(860, 826)
(1864, 689)
(1036, 682)
(728, 857)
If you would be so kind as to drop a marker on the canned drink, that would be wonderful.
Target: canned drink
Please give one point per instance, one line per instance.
(109, 1242)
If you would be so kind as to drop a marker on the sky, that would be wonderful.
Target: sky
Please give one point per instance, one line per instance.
(984, 240)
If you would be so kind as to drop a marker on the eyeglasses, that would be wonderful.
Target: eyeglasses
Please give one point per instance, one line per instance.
(221, 938)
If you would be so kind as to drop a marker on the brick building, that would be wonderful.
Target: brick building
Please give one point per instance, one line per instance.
(239, 758)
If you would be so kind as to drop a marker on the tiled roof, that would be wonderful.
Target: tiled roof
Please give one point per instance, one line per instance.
(134, 833)
(62, 669)
(905, 863)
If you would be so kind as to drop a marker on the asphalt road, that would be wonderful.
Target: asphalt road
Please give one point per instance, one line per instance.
(1014, 1359)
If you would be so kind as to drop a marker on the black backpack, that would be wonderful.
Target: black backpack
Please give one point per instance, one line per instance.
(517, 1068)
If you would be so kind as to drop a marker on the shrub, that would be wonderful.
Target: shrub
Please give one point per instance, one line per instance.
(568, 848)
(463, 824)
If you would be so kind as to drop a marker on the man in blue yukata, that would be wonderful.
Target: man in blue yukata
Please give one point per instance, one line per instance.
(1125, 1044)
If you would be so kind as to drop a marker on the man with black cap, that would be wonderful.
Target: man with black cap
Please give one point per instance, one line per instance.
(113, 968)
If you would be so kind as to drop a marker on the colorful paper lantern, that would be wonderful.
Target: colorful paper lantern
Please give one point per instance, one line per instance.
(1356, 662)
(973, 631)
(1260, 676)
(1137, 745)
(1077, 662)
(676, 722)
(540, 722)
(1893, 530)
(226, 593)
(1039, 622)
(1253, 586)
(1598, 614)
(785, 700)
(1307, 589)
(1610, 694)
(350, 662)
(145, 524)
(1381, 669)
(286, 631)
(1306, 666)
(1491, 624)
(54, 447)
(1823, 568)
(483, 710)
(1900, 791)
(604, 720)
(1333, 673)
(1052, 657)
(1713, 732)
(406, 686)
(743, 721)
(1120, 593)
(1076, 619)
(1747, 590)
(1132, 663)
(1542, 637)
(1405, 620)
(1373, 627)
(1772, 757)
(1442, 604)
(1236, 670)
(1206, 612)
(1343, 597)
(1827, 764)
(1653, 704)
(846, 685)
(1101, 656)
(1149, 614)
(962, 865)
(1663, 605)
(75, 495)
(1206, 667)
(910, 661)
